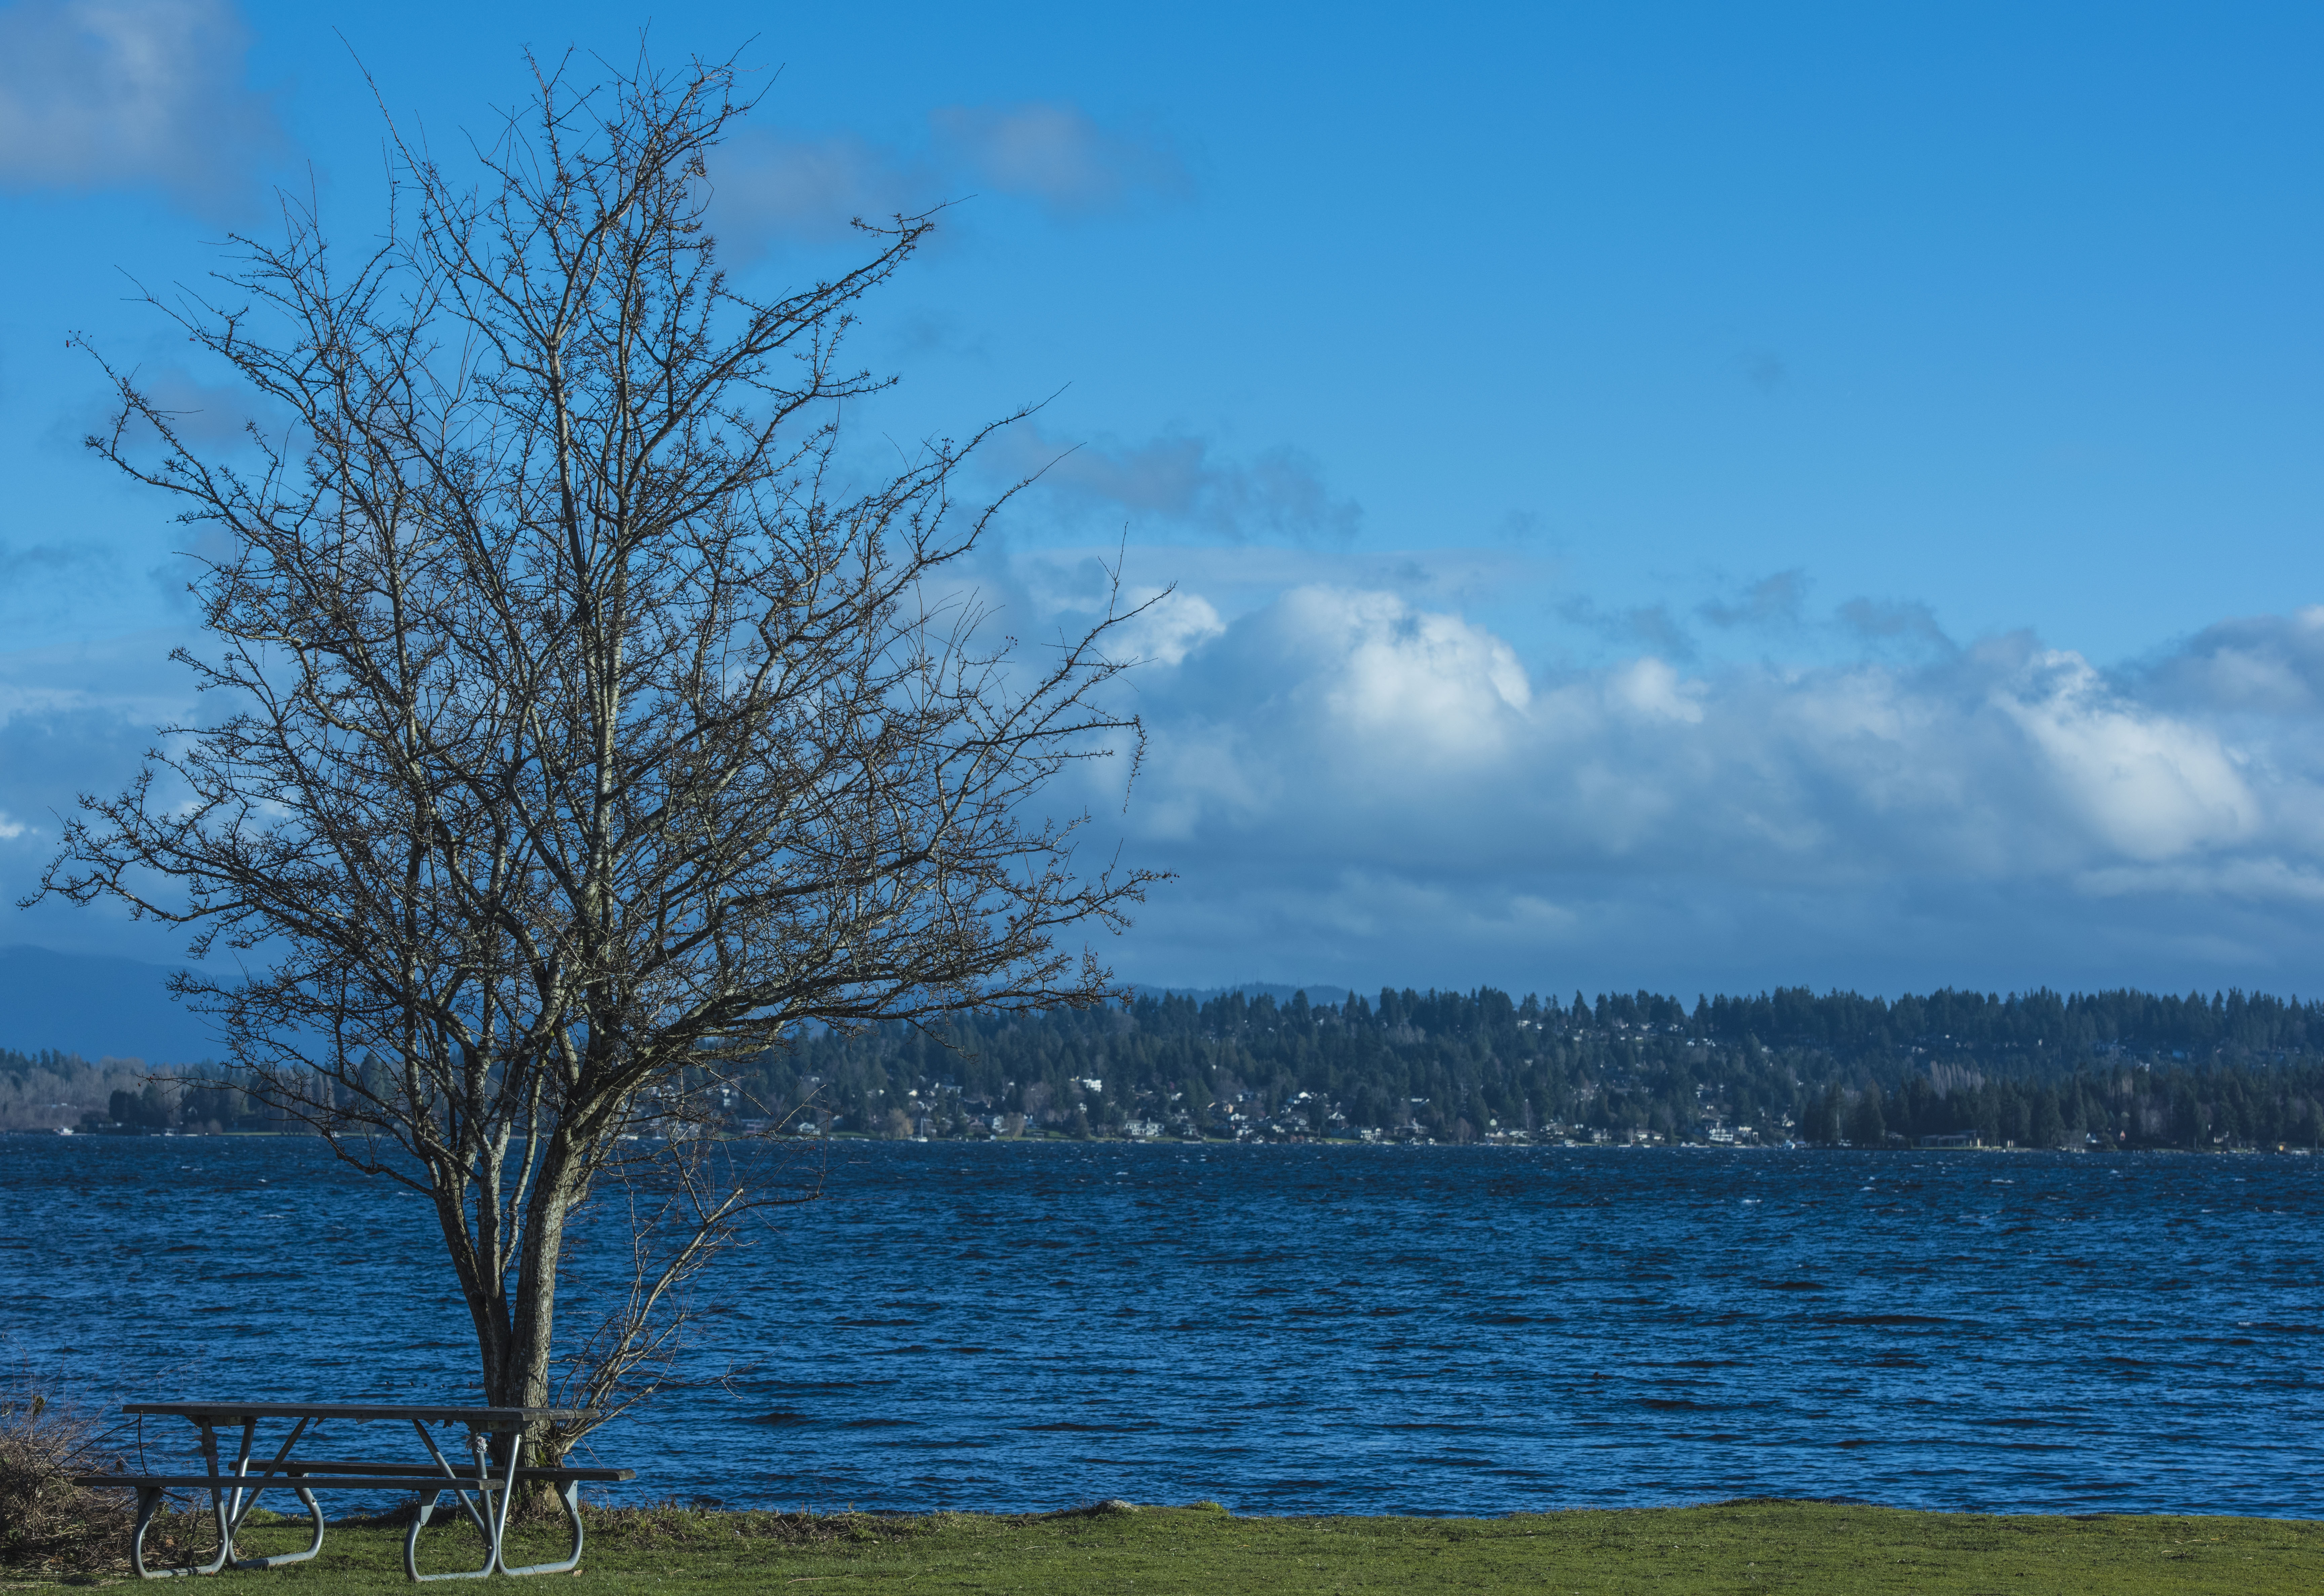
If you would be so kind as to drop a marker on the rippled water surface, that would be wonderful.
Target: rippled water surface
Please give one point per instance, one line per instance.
(1304, 1329)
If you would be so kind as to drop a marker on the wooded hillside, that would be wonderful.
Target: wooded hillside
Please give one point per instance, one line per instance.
(2119, 1069)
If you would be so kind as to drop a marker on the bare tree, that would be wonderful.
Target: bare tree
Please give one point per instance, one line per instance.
(582, 724)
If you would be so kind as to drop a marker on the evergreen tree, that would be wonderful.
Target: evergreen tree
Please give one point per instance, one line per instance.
(1867, 1125)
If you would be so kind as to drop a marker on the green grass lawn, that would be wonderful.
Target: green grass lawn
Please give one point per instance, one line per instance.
(1735, 1547)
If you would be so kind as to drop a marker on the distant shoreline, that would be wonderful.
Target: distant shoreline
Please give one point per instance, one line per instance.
(860, 1139)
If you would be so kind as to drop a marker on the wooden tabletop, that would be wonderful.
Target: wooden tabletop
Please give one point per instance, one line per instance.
(474, 1417)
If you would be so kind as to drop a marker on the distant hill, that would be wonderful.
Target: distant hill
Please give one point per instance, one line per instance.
(97, 1006)
(1280, 992)
(2116, 1069)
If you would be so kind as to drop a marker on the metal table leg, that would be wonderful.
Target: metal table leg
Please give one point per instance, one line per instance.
(313, 1512)
(146, 1510)
(149, 1502)
(482, 1486)
(267, 1478)
(570, 1496)
(482, 1448)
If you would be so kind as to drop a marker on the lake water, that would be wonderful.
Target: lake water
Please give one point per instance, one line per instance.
(1296, 1330)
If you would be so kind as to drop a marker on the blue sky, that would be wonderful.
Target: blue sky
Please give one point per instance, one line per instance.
(1685, 496)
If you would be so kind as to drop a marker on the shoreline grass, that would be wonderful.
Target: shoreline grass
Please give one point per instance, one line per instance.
(1810, 1548)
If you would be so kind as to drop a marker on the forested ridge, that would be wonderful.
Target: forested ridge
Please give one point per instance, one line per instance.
(2116, 1070)
(2120, 1069)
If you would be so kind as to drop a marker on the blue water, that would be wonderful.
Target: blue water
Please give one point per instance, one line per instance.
(1300, 1330)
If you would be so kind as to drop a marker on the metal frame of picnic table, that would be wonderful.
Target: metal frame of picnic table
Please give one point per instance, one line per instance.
(234, 1492)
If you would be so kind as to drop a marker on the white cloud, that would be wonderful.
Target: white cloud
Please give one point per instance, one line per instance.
(130, 93)
(771, 184)
(2250, 880)
(1055, 153)
(2010, 759)
(1327, 766)
(1429, 684)
(1652, 691)
(2264, 665)
(768, 184)
(1278, 494)
(131, 679)
(2150, 786)
(1167, 625)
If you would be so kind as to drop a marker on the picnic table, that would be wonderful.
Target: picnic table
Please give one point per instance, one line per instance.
(484, 1484)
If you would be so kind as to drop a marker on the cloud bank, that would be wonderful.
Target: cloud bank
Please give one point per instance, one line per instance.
(1360, 781)
(1357, 788)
